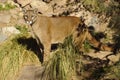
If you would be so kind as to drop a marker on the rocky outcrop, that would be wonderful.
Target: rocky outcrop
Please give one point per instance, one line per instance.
(8, 20)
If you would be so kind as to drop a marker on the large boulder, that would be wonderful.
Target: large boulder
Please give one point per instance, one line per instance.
(4, 18)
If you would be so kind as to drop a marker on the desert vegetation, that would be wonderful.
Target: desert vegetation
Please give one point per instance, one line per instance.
(66, 63)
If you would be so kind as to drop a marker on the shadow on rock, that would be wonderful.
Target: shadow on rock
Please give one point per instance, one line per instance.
(93, 68)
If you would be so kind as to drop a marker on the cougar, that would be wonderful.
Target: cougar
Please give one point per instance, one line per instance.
(48, 30)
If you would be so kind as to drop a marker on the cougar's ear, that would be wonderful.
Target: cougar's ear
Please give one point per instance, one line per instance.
(35, 10)
(24, 10)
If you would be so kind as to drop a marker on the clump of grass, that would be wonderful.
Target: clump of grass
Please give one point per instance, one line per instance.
(87, 46)
(61, 65)
(13, 56)
(23, 29)
(6, 6)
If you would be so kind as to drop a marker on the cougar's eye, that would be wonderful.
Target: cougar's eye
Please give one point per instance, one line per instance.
(25, 16)
(32, 17)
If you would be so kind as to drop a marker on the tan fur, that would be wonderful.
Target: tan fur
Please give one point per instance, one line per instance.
(97, 44)
(48, 30)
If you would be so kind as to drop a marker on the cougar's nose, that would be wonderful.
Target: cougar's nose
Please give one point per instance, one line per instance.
(29, 22)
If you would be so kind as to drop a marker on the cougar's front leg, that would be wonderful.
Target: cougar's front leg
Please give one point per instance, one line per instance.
(46, 41)
(44, 47)
(47, 48)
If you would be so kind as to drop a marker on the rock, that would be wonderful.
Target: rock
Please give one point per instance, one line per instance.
(21, 21)
(31, 72)
(47, 1)
(10, 30)
(42, 7)
(2, 24)
(14, 11)
(24, 2)
(114, 58)
(60, 2)
(100, 54)
(3, 37)
(2, 1)
(4, 18)
(103, 54)
(5, 32)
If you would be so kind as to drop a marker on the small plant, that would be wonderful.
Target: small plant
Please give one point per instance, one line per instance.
(1, 7)
(6, 6)
(87, 46)
(23, 29)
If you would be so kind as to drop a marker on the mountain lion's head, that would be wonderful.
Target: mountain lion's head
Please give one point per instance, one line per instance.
(30, 16)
